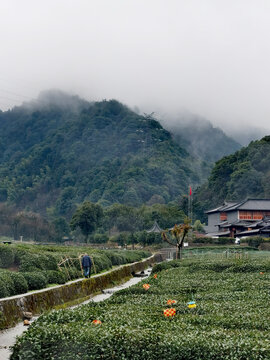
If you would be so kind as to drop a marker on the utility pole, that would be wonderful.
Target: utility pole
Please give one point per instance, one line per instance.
(190, 211)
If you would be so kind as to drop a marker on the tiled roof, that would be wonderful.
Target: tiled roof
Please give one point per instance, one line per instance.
(249, 232)
(255, 204)
(155, 228)
(220, 233)
(249, 204)
(221, 208)
(222, 223)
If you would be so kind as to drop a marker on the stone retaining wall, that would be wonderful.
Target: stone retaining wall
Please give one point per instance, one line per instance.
(12, 308)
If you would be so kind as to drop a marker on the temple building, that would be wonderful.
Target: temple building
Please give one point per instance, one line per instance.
(250, 217)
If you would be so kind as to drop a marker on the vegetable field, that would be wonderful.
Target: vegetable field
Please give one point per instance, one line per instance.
(221, 312)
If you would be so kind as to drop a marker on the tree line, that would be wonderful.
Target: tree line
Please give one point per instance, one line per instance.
(91, 222)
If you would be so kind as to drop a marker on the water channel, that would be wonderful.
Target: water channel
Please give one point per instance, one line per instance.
(8, 337)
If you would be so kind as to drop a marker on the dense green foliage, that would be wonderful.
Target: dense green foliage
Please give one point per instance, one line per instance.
(236, 177)
(87, 217)
(127, 218)
(12, 283)
(35, 280)
(6, 256)
(54, 156)
(30, 225)
(38, 265)
(117, 218)
(230, 320)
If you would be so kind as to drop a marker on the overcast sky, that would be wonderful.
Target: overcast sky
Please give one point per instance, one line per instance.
(211, 57)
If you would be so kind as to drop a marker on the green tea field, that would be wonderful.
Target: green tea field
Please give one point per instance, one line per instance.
(229, 317)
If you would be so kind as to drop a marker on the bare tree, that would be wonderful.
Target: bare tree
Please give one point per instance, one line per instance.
(176, 236)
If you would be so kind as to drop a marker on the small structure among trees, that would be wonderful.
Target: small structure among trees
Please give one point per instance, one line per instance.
(155, 228)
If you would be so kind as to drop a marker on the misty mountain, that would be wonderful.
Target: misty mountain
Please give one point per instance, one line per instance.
(245, 134)
(200, 138)
(246, 173)
(60, 150)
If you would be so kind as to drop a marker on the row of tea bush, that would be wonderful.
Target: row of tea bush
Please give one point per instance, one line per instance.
(230, 322)
(34, 267)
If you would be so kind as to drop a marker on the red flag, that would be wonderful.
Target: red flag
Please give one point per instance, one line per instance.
(190, 191)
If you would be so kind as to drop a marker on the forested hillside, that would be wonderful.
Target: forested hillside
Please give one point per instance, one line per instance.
(60, 150)
(236, 177)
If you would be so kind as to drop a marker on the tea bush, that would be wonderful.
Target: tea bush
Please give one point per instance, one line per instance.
(6, 256)
(35, 280)
(42, 261)
(13, 283)
(255, 241)
(9, 283)
(230, 322)
(55, 277)
(4, 291)
(167, 265)
(102, 262)
(20, 283)
(117, 258)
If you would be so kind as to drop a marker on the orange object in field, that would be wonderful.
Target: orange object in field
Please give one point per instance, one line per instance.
(170, 302)
(96, 322)
(146, 286)
(155, 276)
(169, 312)
(261, 273)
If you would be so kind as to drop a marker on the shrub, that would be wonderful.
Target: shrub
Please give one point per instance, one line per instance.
(20, 283)
(166, 265)
(6, 256)
(116, 257)
(30, 262)
(224, 241)
(101, 262)
(4, 292)
(243, 266)
(254, 241)
(100, 238)
(74, 273)
(55, 277)
(133, 256)
(7, 280)
(43, 262)
(51, 262)
(18, 254)
(35, 280)
(14, 283)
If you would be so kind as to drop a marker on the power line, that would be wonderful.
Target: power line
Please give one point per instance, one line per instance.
(7, 98)
(24, 83)
(15, 94)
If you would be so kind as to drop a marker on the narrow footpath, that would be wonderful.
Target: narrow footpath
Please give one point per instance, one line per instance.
(8, 337)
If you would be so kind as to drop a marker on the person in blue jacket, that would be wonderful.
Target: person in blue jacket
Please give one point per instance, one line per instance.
(86, 264)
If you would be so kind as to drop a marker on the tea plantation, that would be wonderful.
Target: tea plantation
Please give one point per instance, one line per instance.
(31, 267)
(230, 320)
